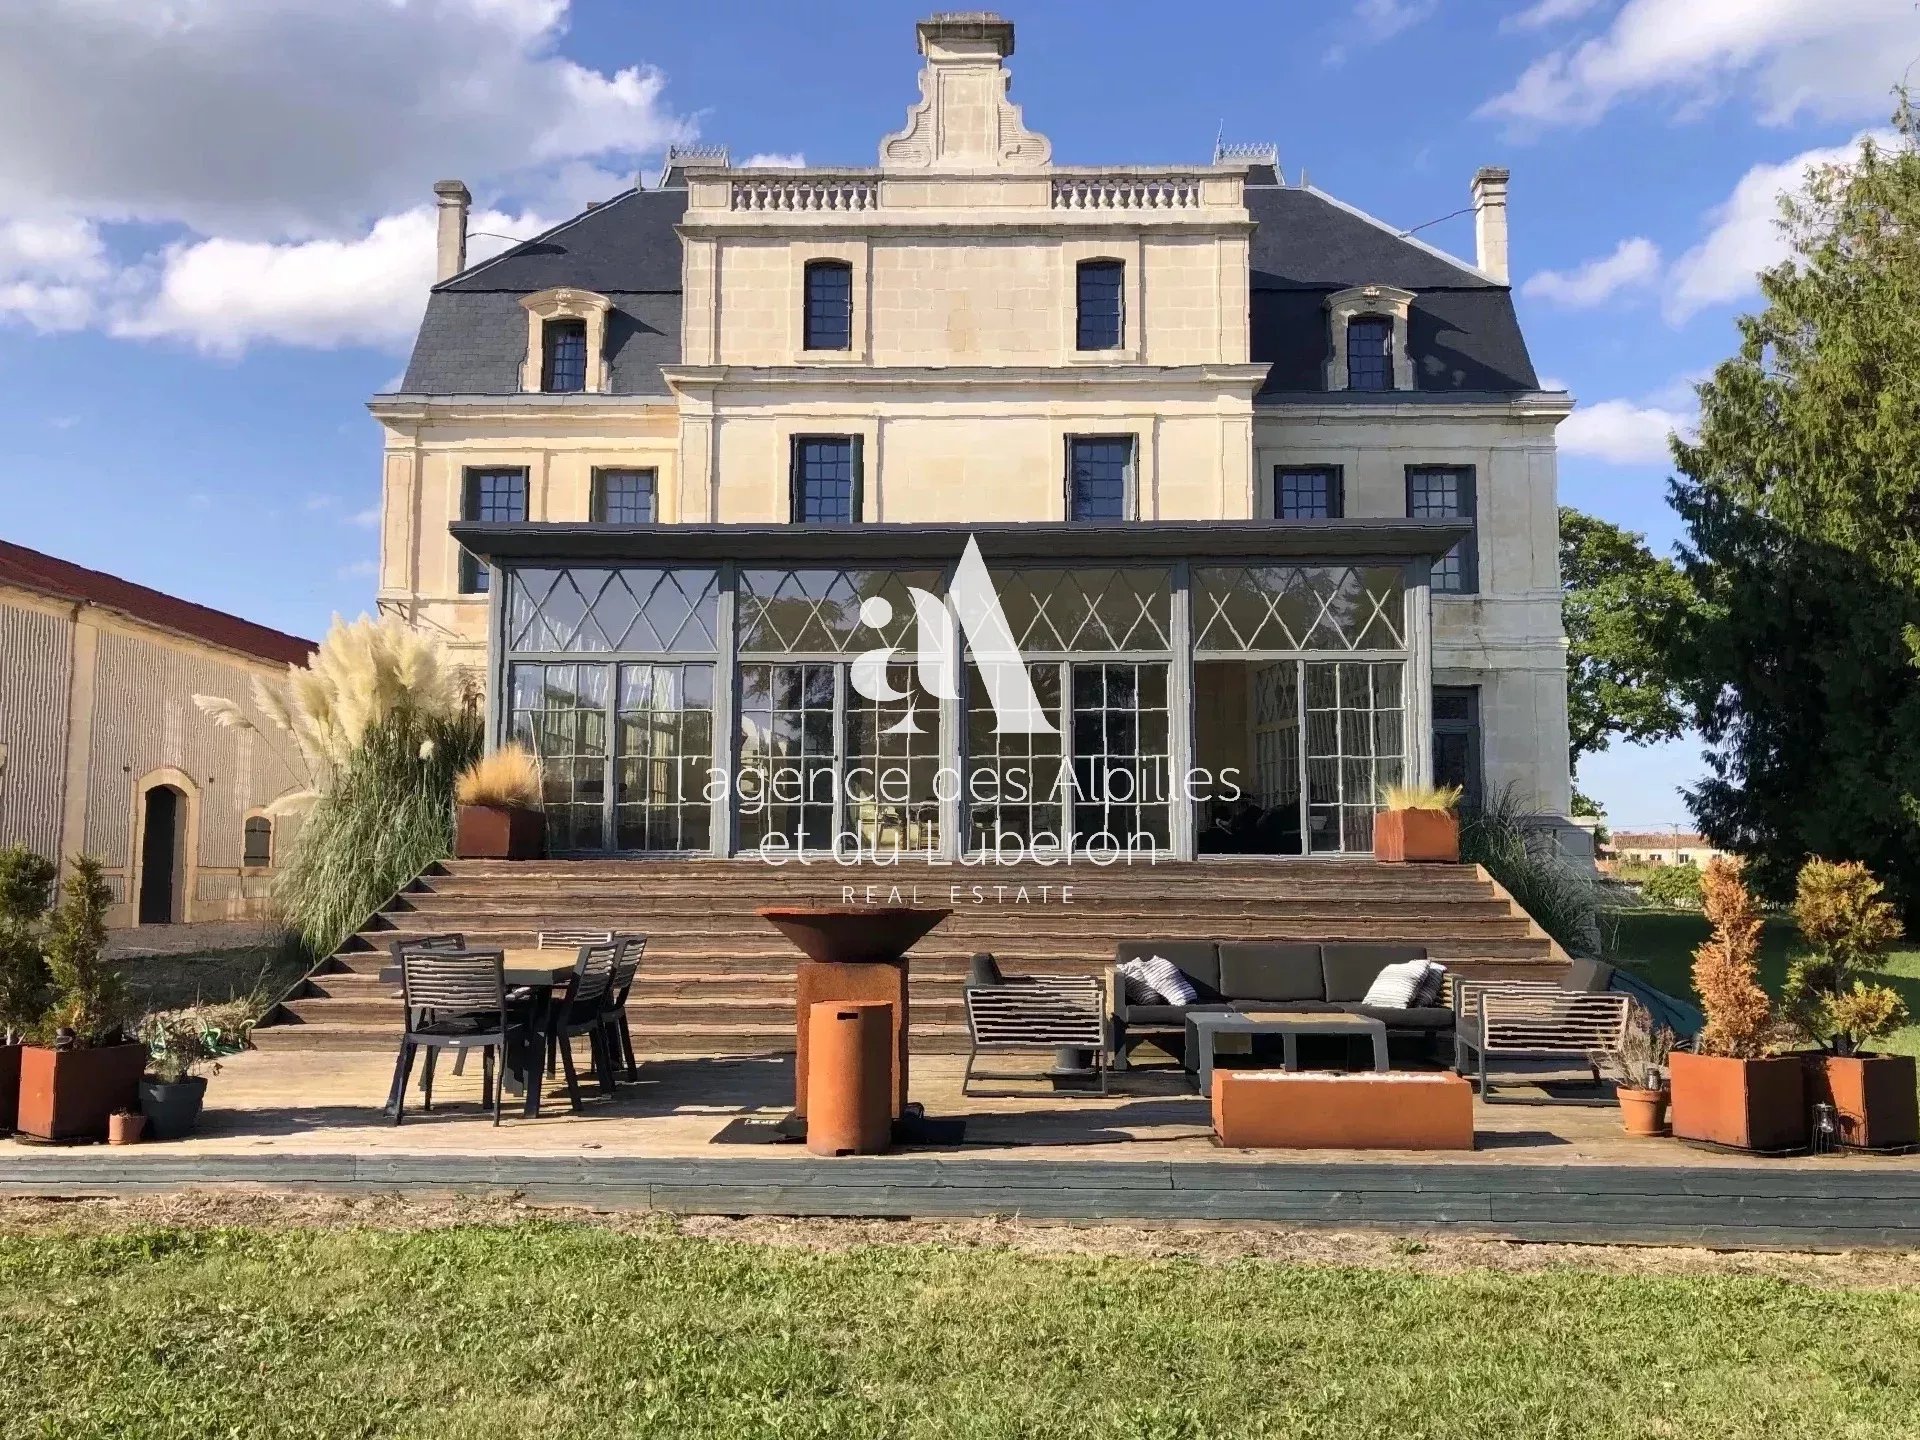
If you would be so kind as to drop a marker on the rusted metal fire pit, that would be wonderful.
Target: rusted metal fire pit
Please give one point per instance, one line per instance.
(852, 953)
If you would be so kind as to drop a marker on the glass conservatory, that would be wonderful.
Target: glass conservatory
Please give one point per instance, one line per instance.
(1240, 687)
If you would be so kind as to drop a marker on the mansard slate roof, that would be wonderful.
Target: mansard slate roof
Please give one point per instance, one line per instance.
(1462, 329)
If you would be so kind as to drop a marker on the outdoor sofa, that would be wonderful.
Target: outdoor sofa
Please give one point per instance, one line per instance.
(1251, 976)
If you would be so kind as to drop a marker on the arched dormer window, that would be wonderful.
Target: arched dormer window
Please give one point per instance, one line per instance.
(566, 342)
(1100, 320)
(1368, 339)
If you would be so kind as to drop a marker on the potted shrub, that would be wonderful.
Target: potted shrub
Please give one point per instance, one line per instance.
(84, 1070)
(125, 1127)
(183, 1048)
(1639, 1073)
(1418, 823)
(498, 815)
(1735, 1091)
(1847, 928)
(26, 887)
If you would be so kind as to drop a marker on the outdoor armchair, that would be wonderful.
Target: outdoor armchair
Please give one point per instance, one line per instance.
(1528, 1020)
(577, 1011)
(453, 1000)
(619, 1037)
(1035, 1013)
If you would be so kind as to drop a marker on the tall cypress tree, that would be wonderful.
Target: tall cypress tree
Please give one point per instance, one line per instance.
(1801, 499)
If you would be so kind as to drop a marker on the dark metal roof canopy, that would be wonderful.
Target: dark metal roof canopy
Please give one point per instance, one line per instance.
(526, 543)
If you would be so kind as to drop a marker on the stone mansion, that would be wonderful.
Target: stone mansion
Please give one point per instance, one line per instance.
(1266, 488)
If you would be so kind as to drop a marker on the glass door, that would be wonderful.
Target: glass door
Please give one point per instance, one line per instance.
(560, 714)
(663, 728)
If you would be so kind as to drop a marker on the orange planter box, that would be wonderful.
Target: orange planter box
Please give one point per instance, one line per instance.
(1281, 1110)
(1431, 836)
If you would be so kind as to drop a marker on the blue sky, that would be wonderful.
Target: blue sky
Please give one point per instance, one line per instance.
(220, 250)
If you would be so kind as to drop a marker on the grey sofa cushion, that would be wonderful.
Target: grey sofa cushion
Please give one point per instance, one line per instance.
(1268, 970)
(1414, 1017)
(1350, 969)
(1198, 960)
(1290, 1007)
(1170, 1014)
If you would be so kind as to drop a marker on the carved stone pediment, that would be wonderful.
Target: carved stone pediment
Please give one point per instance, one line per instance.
(964, 120)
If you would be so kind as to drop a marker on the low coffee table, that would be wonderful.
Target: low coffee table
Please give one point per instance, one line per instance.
(1205, 1029)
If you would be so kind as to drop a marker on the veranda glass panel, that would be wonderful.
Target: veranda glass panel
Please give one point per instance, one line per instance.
(787, 770)
(559, 712)
(1012, 785)
(1060, 611)
(1356, 746)
(664, 731)
(668, 610)
(797, 612)
(1120, 790)
(893, 755)
(1299, 607)
(1275, 692)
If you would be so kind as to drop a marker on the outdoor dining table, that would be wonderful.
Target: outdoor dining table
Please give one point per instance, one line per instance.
(540, 972)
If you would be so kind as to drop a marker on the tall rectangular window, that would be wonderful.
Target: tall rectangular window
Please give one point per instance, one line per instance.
(826, 479)
(829, 319)
(623, 497)
(1445, 492)
(1099, 476)
(489, 495)
(1307, 493)
(1100, 305)
(1369, 353)
(563, 362)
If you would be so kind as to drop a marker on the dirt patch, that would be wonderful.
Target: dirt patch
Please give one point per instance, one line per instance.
(1427, 1255)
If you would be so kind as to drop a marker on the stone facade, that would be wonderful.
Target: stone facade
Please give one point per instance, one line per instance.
(963, 381)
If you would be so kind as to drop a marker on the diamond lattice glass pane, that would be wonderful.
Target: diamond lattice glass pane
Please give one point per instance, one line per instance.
(785, 612)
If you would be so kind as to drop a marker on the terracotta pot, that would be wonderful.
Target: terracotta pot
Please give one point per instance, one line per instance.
(1426, 836)
(498, 832)
(1742, 1104)
(125, 1129)
(9, 1086)
(69, 1094)
(1873, 1098)
(1642, 1112)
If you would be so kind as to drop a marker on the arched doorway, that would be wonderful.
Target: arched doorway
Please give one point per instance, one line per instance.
(163, 856)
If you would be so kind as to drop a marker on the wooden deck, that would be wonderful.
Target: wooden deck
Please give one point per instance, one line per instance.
(1543, 1170)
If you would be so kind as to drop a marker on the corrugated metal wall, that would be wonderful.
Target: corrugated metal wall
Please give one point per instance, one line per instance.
(33, 725)
(145, 718)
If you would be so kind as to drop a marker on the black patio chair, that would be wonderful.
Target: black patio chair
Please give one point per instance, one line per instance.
(454, 1000)
(577, 1011)
(614, 1013)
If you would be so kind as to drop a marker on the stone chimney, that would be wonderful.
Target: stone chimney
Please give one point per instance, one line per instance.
(1490, 221)
(452, 201)
(964, 121)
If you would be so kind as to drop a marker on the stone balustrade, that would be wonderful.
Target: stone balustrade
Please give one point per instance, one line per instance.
(804, 193)
(1128, 192)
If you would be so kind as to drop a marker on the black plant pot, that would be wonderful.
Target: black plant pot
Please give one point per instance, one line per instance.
(172, 1111)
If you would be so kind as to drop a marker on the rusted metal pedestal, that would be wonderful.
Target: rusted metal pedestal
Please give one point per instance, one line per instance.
(852, 954)
(851, 1052)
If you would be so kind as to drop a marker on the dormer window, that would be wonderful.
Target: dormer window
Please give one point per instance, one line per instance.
(1367, 333)
(563, 365)
(1369, 353)
(566, 342)
(829, 317)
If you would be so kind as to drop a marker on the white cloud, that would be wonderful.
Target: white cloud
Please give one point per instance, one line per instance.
(775, 160)
(285, 149)
(1621, 432)
(222, 295)
(358, 570)
(367, 519)
(1830, 58)
(1745, 238)
(1633, 263)
(1548, 12)
(1376, 21)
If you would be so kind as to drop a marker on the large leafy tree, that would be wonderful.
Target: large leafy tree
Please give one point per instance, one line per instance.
(1622, 605)
(1802, 503)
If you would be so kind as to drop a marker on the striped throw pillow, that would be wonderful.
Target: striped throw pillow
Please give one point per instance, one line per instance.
(1165, 977)
(1393, 988)
(1133, 979)
(1432, 986)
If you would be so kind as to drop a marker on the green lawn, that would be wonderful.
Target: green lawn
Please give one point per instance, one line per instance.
(1659, 946)
(571, 1330)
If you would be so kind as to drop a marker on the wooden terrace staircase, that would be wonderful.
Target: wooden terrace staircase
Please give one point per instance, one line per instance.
(719, 980)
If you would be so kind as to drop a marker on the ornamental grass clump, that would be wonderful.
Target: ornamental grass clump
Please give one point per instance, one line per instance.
(194, 1040)
(1420, 797)
(1726, 971)
(507, 778)
(381, 720)
(1848, 927)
